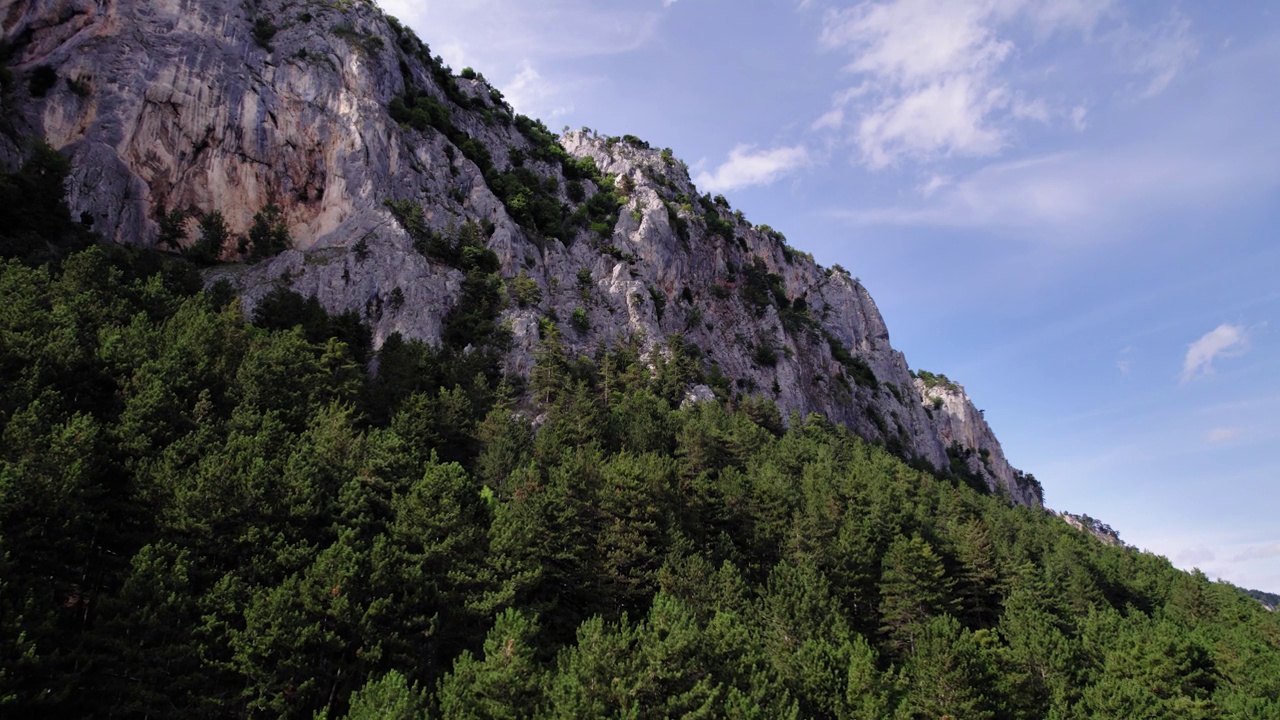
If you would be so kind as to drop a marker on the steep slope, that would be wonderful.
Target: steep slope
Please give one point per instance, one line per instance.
(203, 517)
(334, 122)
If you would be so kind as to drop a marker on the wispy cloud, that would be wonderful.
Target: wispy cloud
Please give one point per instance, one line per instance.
(831, 119)
(1040, 195)
(914, 42)
(933, 69)
(507, 32)
(959, 78)
(1124, 363)
(1218, 435)
(1207, 143)
(931, 66)
(1050, 16)
(1260, 552)
(529, 92)
(1194, 557)
(1222, 341)
(512, 43)
(1079, 114)
(934, 184)
(508, 40)
(1239, 558)
(1205, 158)
(747, 166)
(944, 118)
(1159, 54)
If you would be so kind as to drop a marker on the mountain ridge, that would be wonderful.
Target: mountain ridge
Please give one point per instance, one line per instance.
(218, 500)
(368, 150)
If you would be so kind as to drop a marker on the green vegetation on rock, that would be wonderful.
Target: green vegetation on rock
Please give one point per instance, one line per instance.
(206, 512)
(205, 515)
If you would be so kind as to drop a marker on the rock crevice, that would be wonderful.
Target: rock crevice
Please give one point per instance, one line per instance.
(167, 105)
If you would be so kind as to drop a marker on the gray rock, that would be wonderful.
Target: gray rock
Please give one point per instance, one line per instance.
(173, 104)
(698, 394)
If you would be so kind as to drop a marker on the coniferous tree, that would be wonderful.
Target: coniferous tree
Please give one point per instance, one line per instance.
(203, 517)
(807, 638)
(914, 587)
(948, 673)
(632, 499)
(506, 684)
(390, 697)
(214, 236)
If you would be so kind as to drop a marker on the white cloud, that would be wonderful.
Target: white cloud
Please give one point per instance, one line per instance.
(933, 184)
(1079, 114)
(1260, 552)
(526, 84)
(934, 72)
(930, 65)
(940, 119)
(1245, 561)
(829, 120)
(834, 118)
(1194, 557)
(1161, 53)
(1125, 362)
(508, 40)
(1042, 194)
(1218, 435)
(1050, 16)
(530, 93)
(948, 78)
(501, 37)
(1216, 154)
(747, 166)
(1035, 109)
(915, 42)
(1223, 341)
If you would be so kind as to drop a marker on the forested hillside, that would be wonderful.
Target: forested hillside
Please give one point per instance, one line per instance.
(204, 514)
(1270, 600)
(322, 147)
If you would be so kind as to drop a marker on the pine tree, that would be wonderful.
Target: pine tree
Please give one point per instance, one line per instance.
(632, 500)
(435, 570)
(505, 684)
(947, 673)
(807, 639)
(390, 697)
(1040, 663)
(550, 375)
(913, 588)
(977, 581)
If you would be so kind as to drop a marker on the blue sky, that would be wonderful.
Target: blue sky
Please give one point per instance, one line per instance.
(1069, 206)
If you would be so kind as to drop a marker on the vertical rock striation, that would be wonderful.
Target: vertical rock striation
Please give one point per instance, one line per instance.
(197, 107)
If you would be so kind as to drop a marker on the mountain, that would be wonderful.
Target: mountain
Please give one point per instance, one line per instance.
(321, 147)
(387, 403)
(1270, 601)
(1103, 532)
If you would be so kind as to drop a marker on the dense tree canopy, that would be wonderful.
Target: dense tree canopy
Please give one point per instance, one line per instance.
(209, 515)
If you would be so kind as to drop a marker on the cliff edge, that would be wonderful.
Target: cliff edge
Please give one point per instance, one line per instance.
(331, 125)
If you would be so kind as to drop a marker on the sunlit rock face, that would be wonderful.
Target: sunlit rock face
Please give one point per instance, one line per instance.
(207, 106)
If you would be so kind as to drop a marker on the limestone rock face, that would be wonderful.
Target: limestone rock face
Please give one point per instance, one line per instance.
(1101, 531)
(229, 106)
(961, 428)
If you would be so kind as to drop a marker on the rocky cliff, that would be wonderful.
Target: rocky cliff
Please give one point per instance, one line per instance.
(1101, 531)
(367, 150)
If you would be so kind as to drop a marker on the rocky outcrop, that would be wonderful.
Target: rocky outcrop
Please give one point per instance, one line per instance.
(224, 106)
(1270, 601)
(964, 432)
(1101, 531)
